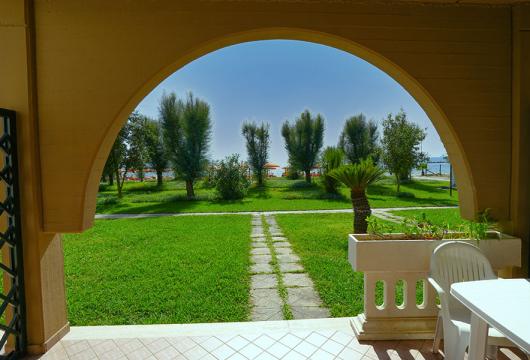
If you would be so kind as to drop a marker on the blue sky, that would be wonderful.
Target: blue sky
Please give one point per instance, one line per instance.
(276, 80)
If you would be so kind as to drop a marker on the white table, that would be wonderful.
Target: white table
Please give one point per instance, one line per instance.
(503, 304)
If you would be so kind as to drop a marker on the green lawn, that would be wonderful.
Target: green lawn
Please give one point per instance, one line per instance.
(278, 194)
(160, 270)
(440, 217)
(321, 241)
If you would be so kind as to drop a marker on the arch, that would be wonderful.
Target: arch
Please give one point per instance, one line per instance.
(449, 137)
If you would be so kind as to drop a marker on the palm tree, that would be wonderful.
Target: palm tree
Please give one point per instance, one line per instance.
(358, 177)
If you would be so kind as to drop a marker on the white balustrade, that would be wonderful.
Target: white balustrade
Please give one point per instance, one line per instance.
(399, 264)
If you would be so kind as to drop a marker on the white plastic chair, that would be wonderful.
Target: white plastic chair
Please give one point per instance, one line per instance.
(452, 262)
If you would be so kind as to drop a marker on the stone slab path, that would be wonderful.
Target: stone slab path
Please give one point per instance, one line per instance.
(280, 287)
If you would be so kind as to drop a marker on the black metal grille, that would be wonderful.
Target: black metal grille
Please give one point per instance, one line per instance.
(12, 308)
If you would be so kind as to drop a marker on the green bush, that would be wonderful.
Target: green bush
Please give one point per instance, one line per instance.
(331, 159)
(405, 195)
(293, 174)
(231, 180)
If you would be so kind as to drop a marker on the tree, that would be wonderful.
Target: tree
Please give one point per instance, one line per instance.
(136, 143)
(257, 138)
(359, 138)
(170, 111)
(187, 131)
(332, 158)
(121, 159)
(358, 177)
(108, 170)
(156, 151)
(303, 141)
(401, 146)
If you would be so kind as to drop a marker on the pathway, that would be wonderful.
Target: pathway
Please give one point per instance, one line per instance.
(386, 214)
(255, 213)
(280, 287)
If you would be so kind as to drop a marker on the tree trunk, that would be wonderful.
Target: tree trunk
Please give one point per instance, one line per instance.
(189, 189)
(159, 177)
(259, 176)
(111, 179)
(398, 182)
(119, 184)
(361, 210)
(308, 176)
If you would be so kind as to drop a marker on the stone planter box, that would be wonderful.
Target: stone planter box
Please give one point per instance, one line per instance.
(397, 262)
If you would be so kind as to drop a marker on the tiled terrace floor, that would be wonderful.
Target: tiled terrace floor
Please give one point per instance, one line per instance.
(296, 339)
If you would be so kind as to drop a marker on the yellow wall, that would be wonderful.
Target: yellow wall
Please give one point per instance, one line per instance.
(74, 77)
(519, 222)
(96, 61)
(43, 258)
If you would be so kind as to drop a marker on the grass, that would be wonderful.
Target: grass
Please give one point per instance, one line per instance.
(321, 241)
(278, 194)
(160, 270)
(440, 217)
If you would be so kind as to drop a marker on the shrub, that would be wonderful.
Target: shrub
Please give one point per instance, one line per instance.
(331, 159)
(405, 195)
(301, 185)
(292, 174)
(231, 180)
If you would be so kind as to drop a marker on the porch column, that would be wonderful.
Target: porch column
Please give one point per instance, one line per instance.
(520, 193)
(43, 256)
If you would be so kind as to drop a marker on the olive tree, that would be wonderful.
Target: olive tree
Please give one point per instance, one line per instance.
(258, 141)
(303, 141)
(401, 146)
(123, 157)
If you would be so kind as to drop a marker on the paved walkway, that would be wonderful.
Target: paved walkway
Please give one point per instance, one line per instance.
(280, 287)
(274, 212)
(318, 339)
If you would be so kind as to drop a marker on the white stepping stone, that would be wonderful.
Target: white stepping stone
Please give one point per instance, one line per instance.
(291, 280)
(303, 296)
(258, 244)
(263, 281)
(265, 298)
(266, 314)
(285, 259)
(281, 244)
(291, 267)
(261, 259)
(257, 230)
(260, 251)
(284, 251)
(309, 312)
(261, 269)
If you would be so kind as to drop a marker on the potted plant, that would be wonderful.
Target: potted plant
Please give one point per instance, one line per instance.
(398, 262)
(384, 248)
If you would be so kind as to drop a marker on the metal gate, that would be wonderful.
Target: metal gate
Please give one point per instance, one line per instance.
(12, 308)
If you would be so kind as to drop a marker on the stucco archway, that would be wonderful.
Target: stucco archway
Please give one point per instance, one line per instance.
(439, 119)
